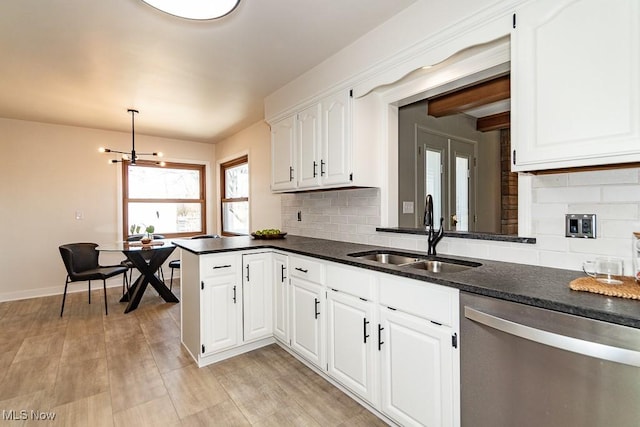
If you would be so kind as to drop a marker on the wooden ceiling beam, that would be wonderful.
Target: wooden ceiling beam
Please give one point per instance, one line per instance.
(494, 122)
(459, 101)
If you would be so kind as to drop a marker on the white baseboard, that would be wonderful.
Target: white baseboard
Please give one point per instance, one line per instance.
(59, 289)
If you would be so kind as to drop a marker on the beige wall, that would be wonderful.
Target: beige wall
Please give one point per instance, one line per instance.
(47, 173)
(255, 141)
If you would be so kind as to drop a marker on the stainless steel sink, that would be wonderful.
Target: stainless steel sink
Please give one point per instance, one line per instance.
(433, 265)
(387, 258)
(436, 266)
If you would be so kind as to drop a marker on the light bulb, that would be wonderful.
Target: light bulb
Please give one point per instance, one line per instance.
(102, 150)
(125, 157)
(162, 164)
(159, 154)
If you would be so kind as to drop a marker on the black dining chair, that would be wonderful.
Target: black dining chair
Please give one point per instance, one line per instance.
(126, 282)
(81, 262)
(176, 262)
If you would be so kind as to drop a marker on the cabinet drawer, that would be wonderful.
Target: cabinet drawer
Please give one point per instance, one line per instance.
(432, 302)
(354, 281)
(307, 269)
(218, 265)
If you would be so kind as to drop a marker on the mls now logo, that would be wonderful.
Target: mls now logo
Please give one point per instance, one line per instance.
(13, 415)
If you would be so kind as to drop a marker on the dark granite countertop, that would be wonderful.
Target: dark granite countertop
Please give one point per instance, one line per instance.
(532, 285)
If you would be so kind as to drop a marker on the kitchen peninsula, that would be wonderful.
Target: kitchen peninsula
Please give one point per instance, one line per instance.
(389, 335)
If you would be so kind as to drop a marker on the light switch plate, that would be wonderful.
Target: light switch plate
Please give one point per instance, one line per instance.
(580, 225)
(407, 207)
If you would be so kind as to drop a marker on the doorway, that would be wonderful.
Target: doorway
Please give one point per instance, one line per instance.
(448, 172)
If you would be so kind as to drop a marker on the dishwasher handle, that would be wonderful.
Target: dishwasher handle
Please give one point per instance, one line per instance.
(575, 345)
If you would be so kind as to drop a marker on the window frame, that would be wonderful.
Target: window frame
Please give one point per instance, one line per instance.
(223, 168)
(201, 168)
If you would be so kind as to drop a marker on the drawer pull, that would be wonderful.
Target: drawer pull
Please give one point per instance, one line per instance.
(302, 270)
(221, 266)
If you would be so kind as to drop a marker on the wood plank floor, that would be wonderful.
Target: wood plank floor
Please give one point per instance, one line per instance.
(131, 370)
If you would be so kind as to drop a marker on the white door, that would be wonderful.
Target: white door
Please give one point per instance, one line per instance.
(283, 155)
(416, 370)
(446, 170)
(335, 161)
(351, 340)
(220, 298)
(280, 274)
(576, 92)
(307, 315)
(308, 139)
(257, 296)
(462, 186)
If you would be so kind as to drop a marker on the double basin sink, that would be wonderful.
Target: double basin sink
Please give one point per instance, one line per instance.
(433, 264)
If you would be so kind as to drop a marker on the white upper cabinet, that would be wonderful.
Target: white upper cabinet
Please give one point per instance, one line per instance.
(335, 155)
(315, 148)
(283, 152)
(575, 76)
(308, 135)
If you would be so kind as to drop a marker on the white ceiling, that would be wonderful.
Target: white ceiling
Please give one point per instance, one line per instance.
(84, 62)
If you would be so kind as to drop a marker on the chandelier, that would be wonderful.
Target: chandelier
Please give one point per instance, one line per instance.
(195, 9)
(133, 155)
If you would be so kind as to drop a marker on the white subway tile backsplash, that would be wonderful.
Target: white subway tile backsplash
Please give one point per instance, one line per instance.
(566, 195)
(613, 195)
(621, 193)
(606, 177)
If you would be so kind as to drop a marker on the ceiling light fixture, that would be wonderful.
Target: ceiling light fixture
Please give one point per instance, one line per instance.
(195, 9)
(132, 156)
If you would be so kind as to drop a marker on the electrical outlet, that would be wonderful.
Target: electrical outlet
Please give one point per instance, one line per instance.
(580, 225)
(407, 207)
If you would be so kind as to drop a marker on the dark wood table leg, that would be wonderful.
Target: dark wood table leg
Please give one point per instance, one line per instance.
(147, 277)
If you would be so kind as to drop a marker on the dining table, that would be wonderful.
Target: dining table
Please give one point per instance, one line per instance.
(147, 258)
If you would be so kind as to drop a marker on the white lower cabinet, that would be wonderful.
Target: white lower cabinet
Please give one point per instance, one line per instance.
(280, 277)
(416, 370)
(219, 313)
(389, 340)
(307, 306)
(350, 342)
(257, 296)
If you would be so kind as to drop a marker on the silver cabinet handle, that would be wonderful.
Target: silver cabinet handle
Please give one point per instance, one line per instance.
(575, 345)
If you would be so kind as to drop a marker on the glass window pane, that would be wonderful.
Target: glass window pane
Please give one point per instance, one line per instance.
(434, 182)
(462, 193)
(163, 183)
(235, 217)
(236, 182)
(166, 217)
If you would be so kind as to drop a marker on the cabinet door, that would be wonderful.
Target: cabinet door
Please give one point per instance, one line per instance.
(350, 341)
(283, 155)
(219, 313)
(308, 135)
(335, 160)
(576, 92)
(306, 320)
(280, 275)
(256, 296)
(416, 370)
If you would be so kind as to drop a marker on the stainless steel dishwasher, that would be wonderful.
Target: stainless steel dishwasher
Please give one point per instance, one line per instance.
(525, 366)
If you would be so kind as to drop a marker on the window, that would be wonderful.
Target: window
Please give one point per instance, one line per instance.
(234, 190)
(171, 198)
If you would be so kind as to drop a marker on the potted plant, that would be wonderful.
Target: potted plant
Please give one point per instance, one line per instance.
(148, 234)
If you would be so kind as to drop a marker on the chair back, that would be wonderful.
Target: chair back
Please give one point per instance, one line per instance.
(205, 236)
(79, 257)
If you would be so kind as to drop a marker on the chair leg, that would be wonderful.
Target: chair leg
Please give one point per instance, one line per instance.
(64, 295)
(104, 287)
(171, 281)
(89, 291)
